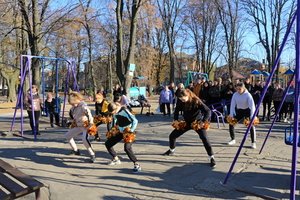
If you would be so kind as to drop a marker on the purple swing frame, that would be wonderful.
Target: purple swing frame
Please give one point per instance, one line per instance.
(26, 69)
(296, 17)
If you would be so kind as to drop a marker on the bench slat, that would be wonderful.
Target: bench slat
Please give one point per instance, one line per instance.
(4, 166)
(17, 174)
(12, 186)
(4, 196)
(25, 179)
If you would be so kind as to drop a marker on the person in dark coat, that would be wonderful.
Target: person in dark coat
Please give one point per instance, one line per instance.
(193, 110)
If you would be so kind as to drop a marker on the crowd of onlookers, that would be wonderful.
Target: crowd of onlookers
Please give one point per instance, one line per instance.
(218, 93)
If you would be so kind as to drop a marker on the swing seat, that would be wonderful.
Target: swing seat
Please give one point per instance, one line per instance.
(289, 136)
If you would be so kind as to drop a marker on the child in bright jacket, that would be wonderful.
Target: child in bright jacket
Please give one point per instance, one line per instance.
(123, 127)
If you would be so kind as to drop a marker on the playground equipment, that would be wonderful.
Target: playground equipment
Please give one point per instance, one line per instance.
(193, 76)
(140, 89)
(26, 61)
(295, 138)
(289, 136)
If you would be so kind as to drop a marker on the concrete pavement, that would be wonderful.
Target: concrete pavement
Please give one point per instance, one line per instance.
(187, 175)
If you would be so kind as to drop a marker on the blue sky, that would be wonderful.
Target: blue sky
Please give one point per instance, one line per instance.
(251, 49)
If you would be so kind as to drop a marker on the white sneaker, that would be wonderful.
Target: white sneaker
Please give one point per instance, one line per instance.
(231, 142)
(137, 168)
(253, 145)
(114, 162)
(285, 120)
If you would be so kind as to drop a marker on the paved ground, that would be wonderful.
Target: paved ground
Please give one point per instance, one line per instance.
(187, 175)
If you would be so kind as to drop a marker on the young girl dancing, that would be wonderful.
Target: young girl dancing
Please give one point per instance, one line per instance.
(82, 121)
(125, 123)
(194, 112)
(101, 105)
(241, 107)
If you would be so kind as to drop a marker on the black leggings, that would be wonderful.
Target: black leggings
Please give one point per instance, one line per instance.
(276, 106)
(164, 105)
(241, 114)
(37, 120)
(202, 134)
(127, 147)
(54, 115)
(266, 108)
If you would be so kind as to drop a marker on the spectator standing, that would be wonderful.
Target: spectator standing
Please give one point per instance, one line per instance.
(277, 98)
(165, 99)
(33, 104)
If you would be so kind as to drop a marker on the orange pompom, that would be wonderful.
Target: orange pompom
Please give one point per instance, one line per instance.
(127, 130)
(112, 132)
(179, 125)
(206, 125)
(196, 125)
(92, 130)
(256, 121)
(247, 121)
(86, 124)
(231, 120)
(128, 137)
(97, 119)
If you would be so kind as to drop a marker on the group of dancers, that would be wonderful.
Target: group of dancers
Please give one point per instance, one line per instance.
(123, 123)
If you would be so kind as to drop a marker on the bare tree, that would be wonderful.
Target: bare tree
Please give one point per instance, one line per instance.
(34, 16)
(87, 25)
(270, 20)
(229, 15)
(202, 20)
(170, 11)
(124, 57)
(11, 44)
(159, 41)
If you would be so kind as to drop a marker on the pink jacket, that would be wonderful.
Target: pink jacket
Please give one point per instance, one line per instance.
(36, 102)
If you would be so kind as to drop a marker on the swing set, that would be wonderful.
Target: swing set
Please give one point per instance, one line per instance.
(26, 74)
(292, 133)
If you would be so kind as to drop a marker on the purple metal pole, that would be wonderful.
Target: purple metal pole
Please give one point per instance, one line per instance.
(296, 109)
(22, 97)
(66, 88)
(261, 98)
(276, 114)
(43, 84)
(32, 107)
(75, 84)
(22, 74)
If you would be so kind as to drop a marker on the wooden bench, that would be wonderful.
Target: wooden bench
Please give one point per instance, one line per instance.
(9, 178)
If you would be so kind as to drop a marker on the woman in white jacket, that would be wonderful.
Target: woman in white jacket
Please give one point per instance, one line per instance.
(241, 107)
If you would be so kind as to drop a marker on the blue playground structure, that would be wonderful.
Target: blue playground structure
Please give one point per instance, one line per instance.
(193, 76)
(136, 91)
(289, 136)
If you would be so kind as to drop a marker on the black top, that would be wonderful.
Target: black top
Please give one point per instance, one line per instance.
(193, 112)
(51, 106)
(98, 108)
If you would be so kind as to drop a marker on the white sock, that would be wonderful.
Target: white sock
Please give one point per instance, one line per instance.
(172, 150)
(212, 156)
(73, 144)
(91, 152)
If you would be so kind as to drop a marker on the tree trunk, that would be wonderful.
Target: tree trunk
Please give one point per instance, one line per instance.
(11, 80)
(119, 52)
